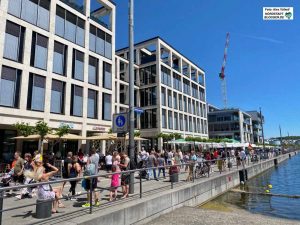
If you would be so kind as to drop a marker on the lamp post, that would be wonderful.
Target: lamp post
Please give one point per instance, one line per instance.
(131, 94)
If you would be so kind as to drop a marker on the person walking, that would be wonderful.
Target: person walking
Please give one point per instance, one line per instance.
(125, 177)
(161, 166)
(115, 183)
(108, 162)
(18, 167)
(152, 162)
(66, 163)
(192, 163)
(26, 192)
(74, 171)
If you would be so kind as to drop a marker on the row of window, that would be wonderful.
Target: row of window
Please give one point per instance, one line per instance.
(67, 24)
(182, 122)
(13, 49)
(183, 103)
(10, 93)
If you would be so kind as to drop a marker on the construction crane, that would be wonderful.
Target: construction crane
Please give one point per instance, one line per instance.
(222, 74)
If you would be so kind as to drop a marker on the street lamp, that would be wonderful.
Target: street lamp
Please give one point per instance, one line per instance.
(262, 127)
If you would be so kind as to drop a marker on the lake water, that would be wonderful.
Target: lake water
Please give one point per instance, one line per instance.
(285, 179)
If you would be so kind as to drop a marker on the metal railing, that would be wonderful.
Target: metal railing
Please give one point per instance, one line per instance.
(211, 163)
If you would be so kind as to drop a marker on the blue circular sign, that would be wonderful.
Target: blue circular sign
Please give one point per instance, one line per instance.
(120, 121)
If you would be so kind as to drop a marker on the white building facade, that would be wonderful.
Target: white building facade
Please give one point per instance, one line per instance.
(56, 65)
(171, 91)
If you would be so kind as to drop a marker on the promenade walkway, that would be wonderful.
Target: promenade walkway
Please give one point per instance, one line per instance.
(73, 208)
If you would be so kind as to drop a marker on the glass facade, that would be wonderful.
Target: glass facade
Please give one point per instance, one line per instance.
(57, 97)
(166, 76)
(148, 119)
(163, 118)
(39, 51)
(10, 87)
(100, 42)
(163, 96)
(60, 58)
(107, 76)
(78, 65)
(148, 75)
(69, 26)
(76, 100)
(92, 104)
(35, 12)
(14, 41)
(106, 107)
(36, 92)
(148, 96)
(93, 70)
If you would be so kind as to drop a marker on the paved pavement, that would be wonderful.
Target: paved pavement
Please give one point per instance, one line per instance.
(26, 215)
(235, 216)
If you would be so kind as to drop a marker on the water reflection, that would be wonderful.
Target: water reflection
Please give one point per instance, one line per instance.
(285, 179)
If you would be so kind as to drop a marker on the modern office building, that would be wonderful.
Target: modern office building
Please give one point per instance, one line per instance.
(230, 123)
(170, 90)
(257, 122)
(58, 64)
(57, 60)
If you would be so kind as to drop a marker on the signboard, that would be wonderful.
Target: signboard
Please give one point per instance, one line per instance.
(120, 123)
(98, 128)
(138, 110)
(71, 125)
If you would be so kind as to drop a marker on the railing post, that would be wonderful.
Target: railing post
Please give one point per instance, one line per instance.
(193, 172)
(141, 188)
(91, 195)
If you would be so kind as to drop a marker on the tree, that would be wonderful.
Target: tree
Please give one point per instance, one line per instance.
(24, 129)
(62, 130)
(177, 136)
(137, 133)
(42, 129)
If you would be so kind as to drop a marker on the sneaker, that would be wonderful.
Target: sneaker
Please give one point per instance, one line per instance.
(19, 197)
(97, 204)
(86, 205)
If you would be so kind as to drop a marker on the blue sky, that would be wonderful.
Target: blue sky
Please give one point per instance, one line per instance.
(263, 56)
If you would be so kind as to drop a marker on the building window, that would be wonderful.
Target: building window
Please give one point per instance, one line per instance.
(170, 98)
(180, 103)
(184, 104)
(100, 42)
(176, 121)
(57, 97)
(186, 86)
(60, 58)
(181, 122)
(186, 123)
(166, 76)
(36, 92)
(93, 70)
(189, 106)
(170, 120)
(148, 119)
(76, 100)
(107, 76)
(92, 111)
(33, 11)
(190, 124)
(10, 87)
(148, 96)
(148, 75)
(177, 81)
(175, 100)
(39, 51)
(14, 42)
(78, 65)
(106, 110)
(163, 119)
(69, 26)
(163, 96)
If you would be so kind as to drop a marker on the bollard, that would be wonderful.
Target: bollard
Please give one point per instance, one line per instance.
(141, 190)
(43, 208)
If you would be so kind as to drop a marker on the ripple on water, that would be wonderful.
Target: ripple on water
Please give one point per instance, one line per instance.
(285, 180)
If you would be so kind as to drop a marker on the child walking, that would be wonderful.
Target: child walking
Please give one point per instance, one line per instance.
(115, 183)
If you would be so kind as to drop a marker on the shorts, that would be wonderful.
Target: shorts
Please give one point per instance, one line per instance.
(94, 183)
(125, 179)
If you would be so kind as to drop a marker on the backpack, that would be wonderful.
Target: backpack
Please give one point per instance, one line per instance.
(90, 170)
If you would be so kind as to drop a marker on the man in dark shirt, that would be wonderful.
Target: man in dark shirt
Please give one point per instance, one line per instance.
(67, 161)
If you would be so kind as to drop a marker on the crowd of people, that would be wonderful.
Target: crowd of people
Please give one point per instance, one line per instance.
(38, 168)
